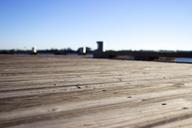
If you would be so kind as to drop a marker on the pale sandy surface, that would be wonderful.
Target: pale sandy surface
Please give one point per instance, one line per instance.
(75, 92)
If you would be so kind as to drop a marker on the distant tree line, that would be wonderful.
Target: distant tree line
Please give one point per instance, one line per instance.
(64, 51)
(143, 54)
(137, 54)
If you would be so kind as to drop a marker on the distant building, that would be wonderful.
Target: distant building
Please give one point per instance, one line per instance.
(88, 50)
(34, 50)
(82, 51)
(100, 46)
(99, 52)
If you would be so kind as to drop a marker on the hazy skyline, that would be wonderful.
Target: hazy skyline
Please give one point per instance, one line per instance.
(121, 24)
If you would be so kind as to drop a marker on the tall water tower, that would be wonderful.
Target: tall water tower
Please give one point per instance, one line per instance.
(99, 46)
(99, 51)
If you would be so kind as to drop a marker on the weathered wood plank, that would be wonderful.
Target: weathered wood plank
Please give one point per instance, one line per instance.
(72, 91)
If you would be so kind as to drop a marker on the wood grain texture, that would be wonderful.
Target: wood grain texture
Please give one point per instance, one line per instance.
(78, 92)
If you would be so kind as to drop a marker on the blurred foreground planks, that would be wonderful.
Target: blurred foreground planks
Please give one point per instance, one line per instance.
(79, 92)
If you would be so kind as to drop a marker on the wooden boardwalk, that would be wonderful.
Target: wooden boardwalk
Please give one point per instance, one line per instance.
(76, 92)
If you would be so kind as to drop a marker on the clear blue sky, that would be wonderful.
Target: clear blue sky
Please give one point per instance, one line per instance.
(121, 24)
